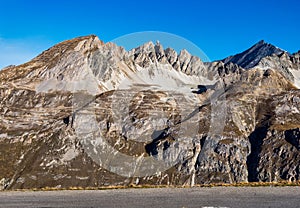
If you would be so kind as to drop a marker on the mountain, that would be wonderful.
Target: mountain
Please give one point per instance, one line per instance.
(266, 56)
(251, 57)
(85, 113)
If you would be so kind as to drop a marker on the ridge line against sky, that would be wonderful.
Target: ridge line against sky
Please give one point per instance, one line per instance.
(219, 28)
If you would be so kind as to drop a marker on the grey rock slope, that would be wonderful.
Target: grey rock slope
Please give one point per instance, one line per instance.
(87, 113)
(286, 64)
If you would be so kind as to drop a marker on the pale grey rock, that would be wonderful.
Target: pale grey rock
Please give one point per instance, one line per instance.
(171, 55)
(285, 63)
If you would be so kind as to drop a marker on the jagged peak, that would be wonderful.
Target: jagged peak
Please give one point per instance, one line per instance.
(185, 53)
(159, 48)
(157, 43)
(170, 50)
(251, 57)
(263, 43)
(259, 43)
(171, 55)
(145, 48)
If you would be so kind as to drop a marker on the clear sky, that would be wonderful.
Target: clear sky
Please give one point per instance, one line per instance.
(219, 27)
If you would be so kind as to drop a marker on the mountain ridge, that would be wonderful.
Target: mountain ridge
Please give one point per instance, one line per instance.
(250, 57)
(88, 114)
(182, 61)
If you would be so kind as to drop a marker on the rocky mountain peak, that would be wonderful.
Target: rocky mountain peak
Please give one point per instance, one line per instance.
(185, 62)
(251, 57)
(80, 44)
(184, 55)
(171, 55)
(261, 42)
(145, 48)
(40, 65)
(159, 48)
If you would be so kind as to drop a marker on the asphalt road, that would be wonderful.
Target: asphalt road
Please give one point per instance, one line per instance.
(163, 197)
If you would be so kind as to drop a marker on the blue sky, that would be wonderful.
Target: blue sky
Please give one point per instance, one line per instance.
(219, 28)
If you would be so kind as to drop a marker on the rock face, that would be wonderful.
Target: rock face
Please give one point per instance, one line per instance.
(87, 113)
(251, 57)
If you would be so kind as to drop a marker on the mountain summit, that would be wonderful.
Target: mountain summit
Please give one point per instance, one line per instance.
(85, 113)
(251, 57)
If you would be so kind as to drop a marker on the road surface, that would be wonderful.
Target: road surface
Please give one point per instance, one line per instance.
(155, 198)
